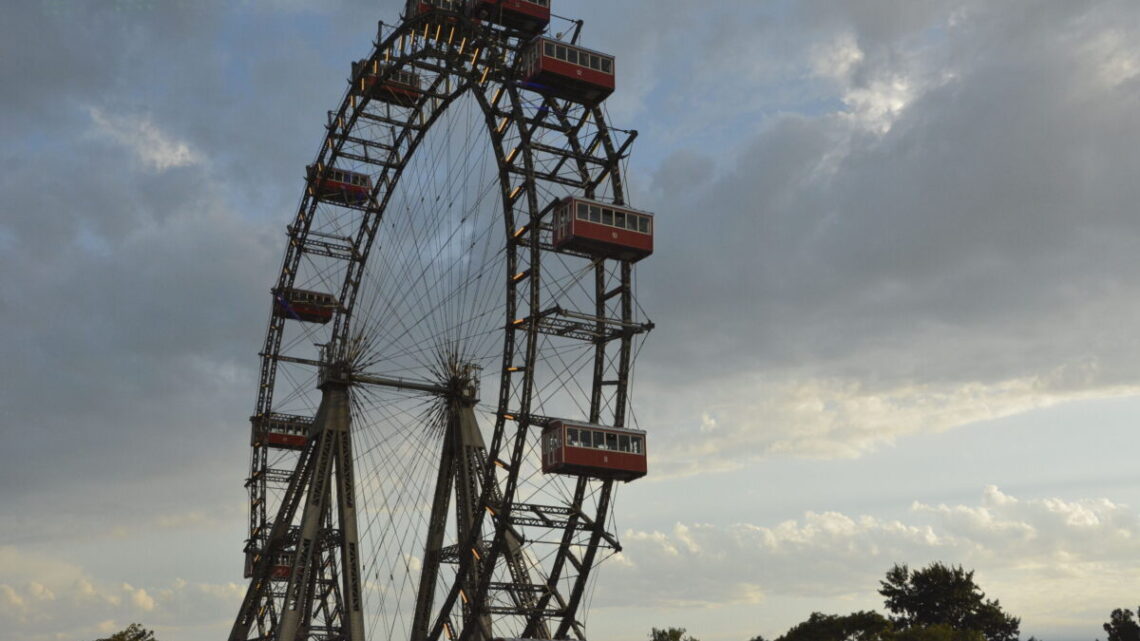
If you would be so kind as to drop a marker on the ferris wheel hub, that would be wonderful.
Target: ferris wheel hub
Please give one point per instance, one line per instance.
(337, 373)
(463, 385)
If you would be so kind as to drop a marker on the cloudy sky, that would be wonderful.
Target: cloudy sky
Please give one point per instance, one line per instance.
(896, 284)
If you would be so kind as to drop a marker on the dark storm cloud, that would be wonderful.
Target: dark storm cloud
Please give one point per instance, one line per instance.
(129, 343)
(153, 154)
(989, 233)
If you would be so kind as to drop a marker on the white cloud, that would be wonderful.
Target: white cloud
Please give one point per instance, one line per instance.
(836, 58)
(1113, 56)
(43, 599)
(1052, 561)
(156, 149)
(139, 598)
(1041, 532)
(40, 592)
(877, 106)
(12, 601)
(872, 104)
(726, 422)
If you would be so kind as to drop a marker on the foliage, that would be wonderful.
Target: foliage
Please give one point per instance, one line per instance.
(133, 632)
(670, 634)
(871, 626)
(940, 632)
(1122, 627)
(858, 626)
(944, 596)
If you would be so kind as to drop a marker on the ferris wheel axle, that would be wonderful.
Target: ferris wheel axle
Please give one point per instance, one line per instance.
(463, 389)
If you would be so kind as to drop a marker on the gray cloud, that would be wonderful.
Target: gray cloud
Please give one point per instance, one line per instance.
(1050, 541)
(143, 229)
(971, 239)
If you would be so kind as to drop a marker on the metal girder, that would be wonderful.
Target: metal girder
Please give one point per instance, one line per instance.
(356, 140)
(326, 463)
(563, 153)
(365, 207)
(329, 249)
(556, 321)
(275, 475)
(386, 163)
(433, 547)
(259, 597)
(468, 473)
(385, 120)
(559, 180)
(312, 362)
(536, 122)
(399, 383)
(450, 553)
(546, 522)
(521, 611)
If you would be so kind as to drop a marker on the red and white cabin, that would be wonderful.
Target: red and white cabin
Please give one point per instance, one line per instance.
(562, 70)
(420, 7)
(601, 229)
(304, 305)
(339, 186)
(281, 570)
(597, 451)
(281, 431)
(525, 15)
(397, 87)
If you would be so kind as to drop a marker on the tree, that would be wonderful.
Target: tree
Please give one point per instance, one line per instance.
(1122, 627)
(670, 634)
(857, 626)
(940, 632)
(947, 596)
(133, 632)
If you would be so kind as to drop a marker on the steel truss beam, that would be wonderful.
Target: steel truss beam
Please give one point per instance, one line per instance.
(325, 465)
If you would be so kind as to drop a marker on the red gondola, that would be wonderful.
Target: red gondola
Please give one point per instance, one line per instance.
(400, 87)
(282, 565)
(420, 7)
(281, 431)
(304, 305)
(567, 71)
(339, 186)
(604, 230)
(525, 15)
(596, 451)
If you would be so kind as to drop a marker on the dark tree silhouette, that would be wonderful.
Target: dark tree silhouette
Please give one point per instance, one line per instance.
(940, 632)
(670, 634)
(1122, 627)
(133, 632)
(942, 595)
(857, 626)
(871, 626)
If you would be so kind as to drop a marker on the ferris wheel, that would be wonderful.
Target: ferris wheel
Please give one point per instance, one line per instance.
(443, 413)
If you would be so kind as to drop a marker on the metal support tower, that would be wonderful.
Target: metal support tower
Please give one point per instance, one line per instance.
(326, 465)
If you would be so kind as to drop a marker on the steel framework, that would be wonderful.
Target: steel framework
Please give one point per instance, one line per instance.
(391, 510)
